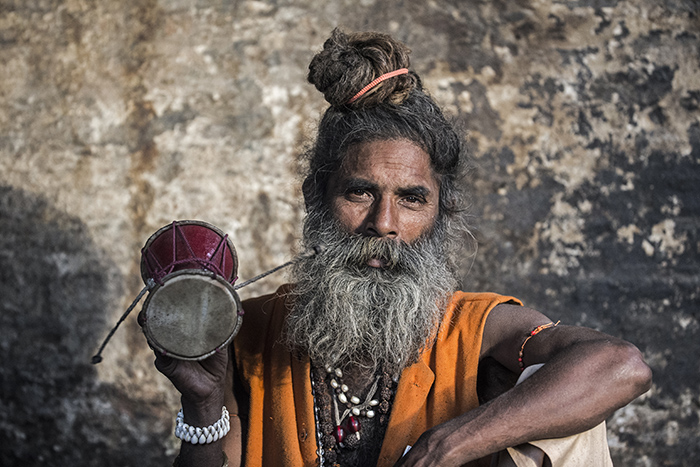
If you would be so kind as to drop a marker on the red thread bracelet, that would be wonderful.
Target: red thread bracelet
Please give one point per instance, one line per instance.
(532, 334)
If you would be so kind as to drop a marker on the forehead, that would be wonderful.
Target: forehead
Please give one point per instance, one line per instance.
(400, 161)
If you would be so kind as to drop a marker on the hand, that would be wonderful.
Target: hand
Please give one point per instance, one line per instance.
(200, 382)
(425, 452)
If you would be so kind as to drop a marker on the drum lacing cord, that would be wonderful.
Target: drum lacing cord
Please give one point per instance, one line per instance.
(264, 274)
(97, 358)
(159, 272)
(151, 283)
(316, 249)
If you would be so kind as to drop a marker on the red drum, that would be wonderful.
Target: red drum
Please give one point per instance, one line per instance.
(188, 245)
(192, 310)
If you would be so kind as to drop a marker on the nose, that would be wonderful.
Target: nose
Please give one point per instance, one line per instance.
(382, 220)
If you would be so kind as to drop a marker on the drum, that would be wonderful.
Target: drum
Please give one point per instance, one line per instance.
(188, 245)
(192, 309)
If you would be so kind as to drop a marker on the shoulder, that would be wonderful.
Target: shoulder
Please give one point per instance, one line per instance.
(470, 306)
(263, 317)
(481, 299)
(268, 303)
(466, 313)
(264, 308)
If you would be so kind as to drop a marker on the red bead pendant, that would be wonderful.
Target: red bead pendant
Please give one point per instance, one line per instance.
(339, 434)
(353, 424)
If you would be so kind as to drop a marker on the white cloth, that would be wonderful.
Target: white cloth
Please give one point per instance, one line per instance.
(587, 449)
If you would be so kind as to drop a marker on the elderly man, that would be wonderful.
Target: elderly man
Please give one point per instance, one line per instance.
(372, 356)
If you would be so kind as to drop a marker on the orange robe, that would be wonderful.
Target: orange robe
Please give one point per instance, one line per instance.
(281, 425)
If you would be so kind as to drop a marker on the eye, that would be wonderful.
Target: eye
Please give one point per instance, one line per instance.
(357, 194)
(414, 199)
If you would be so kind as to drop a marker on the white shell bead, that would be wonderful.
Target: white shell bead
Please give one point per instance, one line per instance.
(203, 435)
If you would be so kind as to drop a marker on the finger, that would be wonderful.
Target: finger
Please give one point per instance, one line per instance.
(141, 318)
(216, 363)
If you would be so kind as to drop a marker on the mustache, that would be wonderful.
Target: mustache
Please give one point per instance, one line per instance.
(360, 250)
(354, 251)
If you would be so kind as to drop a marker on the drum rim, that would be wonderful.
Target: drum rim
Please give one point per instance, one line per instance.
(234, 254)
(153, 343)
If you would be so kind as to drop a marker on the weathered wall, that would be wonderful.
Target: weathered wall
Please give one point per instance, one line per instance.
(118, 117)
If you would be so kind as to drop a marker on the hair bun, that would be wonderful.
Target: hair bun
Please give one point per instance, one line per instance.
(348, 62)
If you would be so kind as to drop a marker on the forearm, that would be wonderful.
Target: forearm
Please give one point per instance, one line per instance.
(573, 392)
(206, 386)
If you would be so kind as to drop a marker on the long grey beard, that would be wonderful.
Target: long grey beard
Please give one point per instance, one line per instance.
(346, 312)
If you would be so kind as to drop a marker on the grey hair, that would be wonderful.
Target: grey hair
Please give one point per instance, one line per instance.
(396, 109)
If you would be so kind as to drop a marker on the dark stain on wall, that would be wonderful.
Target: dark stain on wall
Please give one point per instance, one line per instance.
(55, 288)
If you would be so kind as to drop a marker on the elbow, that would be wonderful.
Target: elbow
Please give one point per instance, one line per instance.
(633, 373)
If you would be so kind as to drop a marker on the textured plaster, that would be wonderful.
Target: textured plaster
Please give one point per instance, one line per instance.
(583, 119)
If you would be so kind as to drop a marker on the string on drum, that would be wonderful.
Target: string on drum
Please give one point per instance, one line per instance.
(189, 255)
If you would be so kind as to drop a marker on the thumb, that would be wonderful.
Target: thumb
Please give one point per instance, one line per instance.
(165, 364)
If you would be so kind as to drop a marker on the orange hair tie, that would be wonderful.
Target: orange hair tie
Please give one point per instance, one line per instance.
(391, 74)
(532, 334)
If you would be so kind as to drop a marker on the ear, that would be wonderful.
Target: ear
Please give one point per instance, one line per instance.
(308, 189)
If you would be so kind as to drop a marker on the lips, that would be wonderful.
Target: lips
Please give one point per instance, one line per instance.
(376, 263)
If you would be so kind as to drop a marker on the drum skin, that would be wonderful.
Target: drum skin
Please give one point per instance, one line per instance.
(191, 315)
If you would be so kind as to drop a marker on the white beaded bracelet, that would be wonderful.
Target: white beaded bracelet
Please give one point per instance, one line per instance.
(206, 435)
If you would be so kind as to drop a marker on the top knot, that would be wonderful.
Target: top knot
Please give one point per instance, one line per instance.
(350, 62)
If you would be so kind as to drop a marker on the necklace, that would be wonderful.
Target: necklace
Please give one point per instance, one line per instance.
(351, 404)
(339, 414)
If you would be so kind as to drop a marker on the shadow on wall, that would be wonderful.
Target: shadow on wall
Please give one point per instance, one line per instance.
(54, 288)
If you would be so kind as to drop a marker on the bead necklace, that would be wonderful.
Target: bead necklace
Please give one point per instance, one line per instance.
(352, 404)
(338, 412)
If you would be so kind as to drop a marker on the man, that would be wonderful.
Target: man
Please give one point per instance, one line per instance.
(372, 356)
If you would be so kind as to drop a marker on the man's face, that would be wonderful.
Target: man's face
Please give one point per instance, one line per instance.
(377, 291)
(385, 189)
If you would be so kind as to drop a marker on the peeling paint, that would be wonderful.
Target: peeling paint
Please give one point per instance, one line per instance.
(663, 235)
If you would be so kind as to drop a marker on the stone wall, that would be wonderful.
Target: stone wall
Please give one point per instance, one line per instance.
(119, 117)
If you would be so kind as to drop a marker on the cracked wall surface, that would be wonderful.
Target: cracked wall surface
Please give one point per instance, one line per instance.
(583, 119)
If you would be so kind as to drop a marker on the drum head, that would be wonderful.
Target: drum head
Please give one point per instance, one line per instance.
(191, 315)
(186, 245)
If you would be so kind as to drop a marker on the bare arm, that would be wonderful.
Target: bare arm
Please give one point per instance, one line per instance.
(587, 377)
